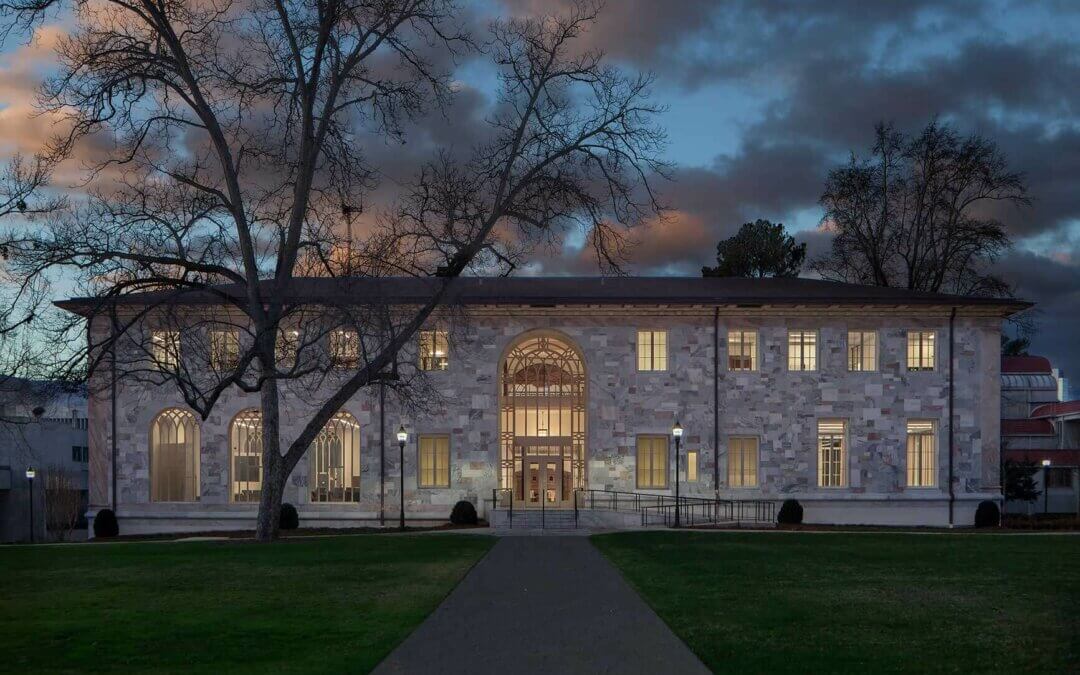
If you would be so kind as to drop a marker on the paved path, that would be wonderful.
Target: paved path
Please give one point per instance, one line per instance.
(548, 605)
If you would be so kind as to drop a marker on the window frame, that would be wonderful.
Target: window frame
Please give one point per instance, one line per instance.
(647, 363)
(922, 470)
(697, 467)
(802, 349)
(920, 348)
(652, 468)
(757, 462)
(338, 358)
(874, 355)
(159, 348)
(248, 414)
(432, 362)
(215, 353)
(151, 463)
(287, 348)
(435, 485)
(754, 350)
(355, 460)
(844, 453)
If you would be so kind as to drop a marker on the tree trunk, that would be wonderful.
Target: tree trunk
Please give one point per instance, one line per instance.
(273, 483)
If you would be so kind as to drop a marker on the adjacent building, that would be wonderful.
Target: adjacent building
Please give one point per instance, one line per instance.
(1042, 429)
(868, 405)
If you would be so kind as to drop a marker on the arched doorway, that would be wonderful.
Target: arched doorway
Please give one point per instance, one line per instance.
(542, 421)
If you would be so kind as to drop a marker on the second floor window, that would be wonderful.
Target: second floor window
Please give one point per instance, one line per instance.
(165, 349)
(434, 350)
(224, 349)
(742, 350)
(288, 343)
(802, 350)
(862, 350)
(345, 348)
(920, 350)
(652, 350)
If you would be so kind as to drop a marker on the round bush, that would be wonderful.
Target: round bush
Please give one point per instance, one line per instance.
(987, 515)
(791, 513)
(289, 519)
(464, 513)
(105, 524)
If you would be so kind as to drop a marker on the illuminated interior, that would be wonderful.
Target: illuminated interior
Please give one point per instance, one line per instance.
(335, 461)
(542, 421)
(174, 457)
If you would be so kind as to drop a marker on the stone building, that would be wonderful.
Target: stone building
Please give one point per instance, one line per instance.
(867, 404)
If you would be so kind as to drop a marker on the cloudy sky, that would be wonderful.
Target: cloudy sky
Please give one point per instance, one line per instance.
(766, 96)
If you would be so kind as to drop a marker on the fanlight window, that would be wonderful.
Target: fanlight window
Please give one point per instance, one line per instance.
(174, 457)
(542, 415)
(245, 457)
(335, 461)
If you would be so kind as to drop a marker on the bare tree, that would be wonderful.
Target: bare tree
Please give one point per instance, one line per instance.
(919, 213)
(63, 502)
(240, 128)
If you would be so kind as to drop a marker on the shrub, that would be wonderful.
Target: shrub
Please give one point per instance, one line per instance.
(987, 515)
(290, 519)
(105, 524)
(791, 513)
(464, 513)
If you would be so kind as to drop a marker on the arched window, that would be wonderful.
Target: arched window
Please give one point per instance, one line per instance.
(245, 456)
(335, 461)
(174, 457)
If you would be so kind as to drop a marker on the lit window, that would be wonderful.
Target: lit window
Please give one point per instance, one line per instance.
(742, 467)
(434, 350)
(224, 349)
(692, 466)
(165, 349)
(245, 456)
(652, 350)
(434, 461)
(345, 348)
(742, 350)
(288, 344)
(80, 453)
(920, 350)
(174, 457)
(862, 350)
(832, 453)
(921, 468)
(335, 461)
(802, 350)
(652, 461)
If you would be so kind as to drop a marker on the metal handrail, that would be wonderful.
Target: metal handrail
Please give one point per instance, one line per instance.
(713, 511)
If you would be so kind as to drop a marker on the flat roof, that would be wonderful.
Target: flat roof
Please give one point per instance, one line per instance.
(546, 291)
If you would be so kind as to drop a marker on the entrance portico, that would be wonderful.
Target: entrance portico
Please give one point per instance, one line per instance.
(542, 403)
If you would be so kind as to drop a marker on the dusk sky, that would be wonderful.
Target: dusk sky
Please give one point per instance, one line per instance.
(766, 97)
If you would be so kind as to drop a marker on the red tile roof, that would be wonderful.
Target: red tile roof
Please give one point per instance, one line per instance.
(1027, 428)
(1057, 409)
(1025, 364)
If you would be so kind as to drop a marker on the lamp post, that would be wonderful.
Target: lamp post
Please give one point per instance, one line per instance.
(30, 473)
(676, 431)
(1045, 476)
(402, 436)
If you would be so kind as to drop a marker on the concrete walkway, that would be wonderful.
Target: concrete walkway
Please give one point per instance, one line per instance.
(543, 605)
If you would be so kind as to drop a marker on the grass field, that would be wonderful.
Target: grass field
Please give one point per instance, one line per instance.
(319, 605)
(782, 602)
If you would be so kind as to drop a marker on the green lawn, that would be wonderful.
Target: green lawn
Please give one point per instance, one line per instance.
(799, 603)
(320, 605)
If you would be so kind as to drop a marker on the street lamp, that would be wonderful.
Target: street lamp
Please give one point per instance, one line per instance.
(1046, 500)
(676, 431)
(402, 436)
(30, 473)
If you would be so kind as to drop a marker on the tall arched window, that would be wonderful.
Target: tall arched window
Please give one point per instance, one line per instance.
(335, 461)
(245, 456)
(174, 457)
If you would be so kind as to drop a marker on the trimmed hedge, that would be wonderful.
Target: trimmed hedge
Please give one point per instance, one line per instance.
(105, 524)
(791, 513)
(289, 519)
(463, 513)
(987, 515)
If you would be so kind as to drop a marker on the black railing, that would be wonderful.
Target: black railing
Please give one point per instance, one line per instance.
(711, 512)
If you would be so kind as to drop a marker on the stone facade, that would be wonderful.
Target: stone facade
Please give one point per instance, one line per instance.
(779, 407)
